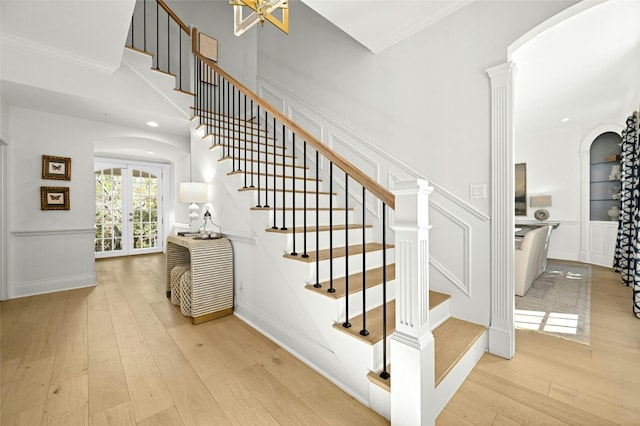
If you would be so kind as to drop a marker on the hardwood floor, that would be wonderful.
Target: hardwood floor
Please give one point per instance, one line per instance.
(552, 381)
(121, 354)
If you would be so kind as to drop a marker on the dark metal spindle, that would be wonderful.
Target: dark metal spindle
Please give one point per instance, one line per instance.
(168, 45)
(252, 143)
(144, 24)
(258, 205)
(346, 323)
(364, 331)
(331, 289)
(317, 284)
(275, 200)
(234, 131)
(180, 59)
(266, 161)
(133, 44)
(157, 37)
(304, 201)
(385, 374)
(293, 192)
(233, 136)
(284, 186)
(245, 141)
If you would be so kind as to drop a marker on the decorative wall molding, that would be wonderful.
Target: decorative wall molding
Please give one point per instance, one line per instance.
(399, 165)
(44, 51)
(464, 282)
(53, 232)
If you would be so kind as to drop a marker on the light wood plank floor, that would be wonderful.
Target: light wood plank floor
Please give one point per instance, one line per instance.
(552, 381)
(121, 354)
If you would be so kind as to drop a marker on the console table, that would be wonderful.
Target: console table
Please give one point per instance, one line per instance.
(211, 274)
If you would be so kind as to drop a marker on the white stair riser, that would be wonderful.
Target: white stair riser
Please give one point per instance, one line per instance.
(339, 237)
(373, 300)
(323, 216)
(239, 155)
(373, 260)
(252, 165)
(268, 182)
(237, 136)
(323, 199)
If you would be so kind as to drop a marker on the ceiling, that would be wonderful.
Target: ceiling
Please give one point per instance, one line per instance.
(586, 69)
(378, 25)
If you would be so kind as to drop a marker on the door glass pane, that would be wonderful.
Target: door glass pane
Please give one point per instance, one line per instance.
(108, 220)
(144, 201)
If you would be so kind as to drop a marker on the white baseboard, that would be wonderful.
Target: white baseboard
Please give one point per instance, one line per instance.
(33, 288)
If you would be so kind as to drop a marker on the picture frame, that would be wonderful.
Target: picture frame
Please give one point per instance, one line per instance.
(520, 175)
(57, 168)
(54, 198)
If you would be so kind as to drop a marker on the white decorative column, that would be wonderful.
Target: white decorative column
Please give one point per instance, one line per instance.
(412, 345)
(501, 329)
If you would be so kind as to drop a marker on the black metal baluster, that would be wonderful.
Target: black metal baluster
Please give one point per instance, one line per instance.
(227, 121)
(275, 199)
(266, 161)
(245, 141)
(385, 374)
(293, 191)
(252, 144)
(133, 44)
(157, 37)
(284, 186)
(208, 108)
(304, 200)
(317, 284)
(168, 45)
(258, 205)
(234, 131)
(364, 331)
(346, 323)
(144, 24)
(233, 136)
(180, 58)
(331, 289)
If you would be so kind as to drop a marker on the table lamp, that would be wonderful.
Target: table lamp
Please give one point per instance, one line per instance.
(193, 193)
(541, 201)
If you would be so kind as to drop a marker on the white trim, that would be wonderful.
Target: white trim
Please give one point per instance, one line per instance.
(4, 221)
(502, 207)
(50, 232)
(50, 286)
(44, 51)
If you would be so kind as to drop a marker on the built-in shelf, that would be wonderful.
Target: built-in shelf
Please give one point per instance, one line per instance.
(604, 159)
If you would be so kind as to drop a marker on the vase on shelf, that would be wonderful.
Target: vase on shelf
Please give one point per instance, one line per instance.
(613, 213)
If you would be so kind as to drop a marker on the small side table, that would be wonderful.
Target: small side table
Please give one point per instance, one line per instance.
(211, 274)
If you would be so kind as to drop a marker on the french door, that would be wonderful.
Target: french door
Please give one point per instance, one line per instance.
(128, 209)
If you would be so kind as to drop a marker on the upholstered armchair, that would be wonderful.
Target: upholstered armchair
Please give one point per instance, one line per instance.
(530, 258)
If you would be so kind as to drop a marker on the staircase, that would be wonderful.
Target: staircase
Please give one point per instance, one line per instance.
(308, 208)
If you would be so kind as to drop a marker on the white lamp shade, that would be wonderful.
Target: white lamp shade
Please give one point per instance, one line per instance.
(540, 201)
(192, 192)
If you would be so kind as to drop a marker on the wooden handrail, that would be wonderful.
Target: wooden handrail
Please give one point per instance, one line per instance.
(171, 13)
(371, 185)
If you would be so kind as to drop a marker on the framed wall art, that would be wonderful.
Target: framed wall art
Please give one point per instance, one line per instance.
(54, 198)
(521, 189)
(58, 168)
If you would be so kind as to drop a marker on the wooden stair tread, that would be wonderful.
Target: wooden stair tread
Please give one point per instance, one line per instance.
(337, 252)
(232, 117)
(186, 92)
(135, 49)
(373, 277)
(374, 324)
(436, 298)
(453, 338)
(298, 191)
(325, 228)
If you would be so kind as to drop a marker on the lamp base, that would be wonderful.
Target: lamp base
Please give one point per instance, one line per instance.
(541, 214)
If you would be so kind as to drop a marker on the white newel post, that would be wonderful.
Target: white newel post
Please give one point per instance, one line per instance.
(412, 345)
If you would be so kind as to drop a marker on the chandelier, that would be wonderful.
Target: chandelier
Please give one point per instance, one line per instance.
(261, 10)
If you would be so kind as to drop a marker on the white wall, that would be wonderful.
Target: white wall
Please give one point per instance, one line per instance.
(236, 55)
(52, 250)
(425, 101)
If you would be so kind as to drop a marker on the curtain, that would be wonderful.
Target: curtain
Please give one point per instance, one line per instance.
(626, 259)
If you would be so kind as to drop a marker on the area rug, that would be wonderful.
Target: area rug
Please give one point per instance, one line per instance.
(558, 302)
